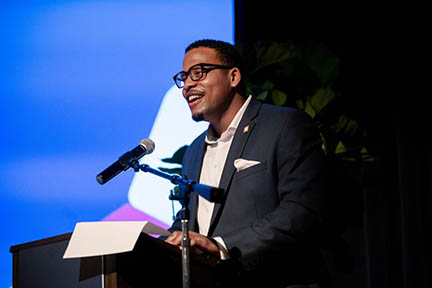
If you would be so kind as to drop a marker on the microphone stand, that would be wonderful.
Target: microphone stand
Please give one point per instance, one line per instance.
(186, 187)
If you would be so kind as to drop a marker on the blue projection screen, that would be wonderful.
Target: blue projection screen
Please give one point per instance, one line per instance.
(82, 82)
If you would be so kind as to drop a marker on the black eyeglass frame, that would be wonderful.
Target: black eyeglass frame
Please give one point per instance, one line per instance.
(205, 67)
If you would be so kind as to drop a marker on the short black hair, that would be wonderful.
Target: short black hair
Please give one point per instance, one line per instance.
(227, 53)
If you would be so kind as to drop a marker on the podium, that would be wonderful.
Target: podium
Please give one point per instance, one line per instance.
(151, 263)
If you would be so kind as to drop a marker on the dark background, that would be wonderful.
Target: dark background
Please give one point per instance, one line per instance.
(387, 204)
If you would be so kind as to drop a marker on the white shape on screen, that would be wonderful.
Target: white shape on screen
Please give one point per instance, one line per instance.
(172, 129)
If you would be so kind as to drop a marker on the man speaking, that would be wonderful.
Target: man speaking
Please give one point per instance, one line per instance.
(269, 162)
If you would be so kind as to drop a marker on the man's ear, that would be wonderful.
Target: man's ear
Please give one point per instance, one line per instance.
(235, 77)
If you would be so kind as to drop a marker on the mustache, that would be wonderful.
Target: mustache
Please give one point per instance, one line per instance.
(194, 91)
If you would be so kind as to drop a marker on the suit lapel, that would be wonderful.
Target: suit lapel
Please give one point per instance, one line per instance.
(193, 172)
(237, 146)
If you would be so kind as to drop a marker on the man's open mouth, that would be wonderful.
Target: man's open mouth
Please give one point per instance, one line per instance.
(194, 97)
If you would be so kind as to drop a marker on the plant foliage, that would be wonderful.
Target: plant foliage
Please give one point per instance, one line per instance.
(305, 76)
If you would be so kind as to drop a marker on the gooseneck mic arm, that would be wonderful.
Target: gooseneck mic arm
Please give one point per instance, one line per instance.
(212, 194)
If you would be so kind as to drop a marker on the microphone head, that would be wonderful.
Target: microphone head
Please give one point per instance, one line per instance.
(148, 144)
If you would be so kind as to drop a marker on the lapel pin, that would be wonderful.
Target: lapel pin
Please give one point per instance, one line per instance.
(246, 129)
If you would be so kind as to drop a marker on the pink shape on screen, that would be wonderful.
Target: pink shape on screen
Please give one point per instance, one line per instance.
(129, 213)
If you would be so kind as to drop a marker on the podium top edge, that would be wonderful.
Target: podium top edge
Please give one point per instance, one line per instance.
(40, 242)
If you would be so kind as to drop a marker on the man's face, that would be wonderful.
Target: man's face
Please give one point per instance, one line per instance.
(209, 97)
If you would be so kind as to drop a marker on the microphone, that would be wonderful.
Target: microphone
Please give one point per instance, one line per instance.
(146, 146)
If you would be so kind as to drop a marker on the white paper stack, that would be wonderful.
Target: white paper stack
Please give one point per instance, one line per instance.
(104, 238)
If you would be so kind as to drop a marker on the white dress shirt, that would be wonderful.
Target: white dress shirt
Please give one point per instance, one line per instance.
(212, 167)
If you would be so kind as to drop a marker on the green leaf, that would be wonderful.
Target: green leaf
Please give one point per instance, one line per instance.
(271, 54)
(262, 95)
(321, 98)
(176, 190)
(352, 127)
(366, 156)
(268, 85)
(177, 170)
(249, 89)
(342, 121)
(260, 91)
(340, 148)
(300, 105)
(323, 63)
(310, 109)
(279, 97)
(177, 158)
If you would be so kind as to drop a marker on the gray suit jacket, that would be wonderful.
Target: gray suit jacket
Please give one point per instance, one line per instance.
(272, 212)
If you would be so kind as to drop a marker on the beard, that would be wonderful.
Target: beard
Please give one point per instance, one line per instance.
(198, 117)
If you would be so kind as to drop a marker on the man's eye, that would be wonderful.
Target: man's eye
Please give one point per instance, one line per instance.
(196, 73)
(183, 76)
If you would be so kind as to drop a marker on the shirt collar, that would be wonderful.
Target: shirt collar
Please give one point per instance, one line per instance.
(228, 134)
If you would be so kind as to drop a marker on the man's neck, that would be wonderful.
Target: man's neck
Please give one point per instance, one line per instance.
(221, 124)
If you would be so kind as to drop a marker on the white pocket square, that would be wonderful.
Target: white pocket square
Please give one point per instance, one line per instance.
(242, 164)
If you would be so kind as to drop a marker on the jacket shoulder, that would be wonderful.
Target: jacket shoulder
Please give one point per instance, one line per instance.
(284, 114)
(198, 140)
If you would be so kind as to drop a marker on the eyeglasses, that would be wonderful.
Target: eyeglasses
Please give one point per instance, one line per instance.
(196, 72)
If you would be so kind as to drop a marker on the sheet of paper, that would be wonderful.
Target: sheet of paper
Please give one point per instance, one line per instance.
(103, 238)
